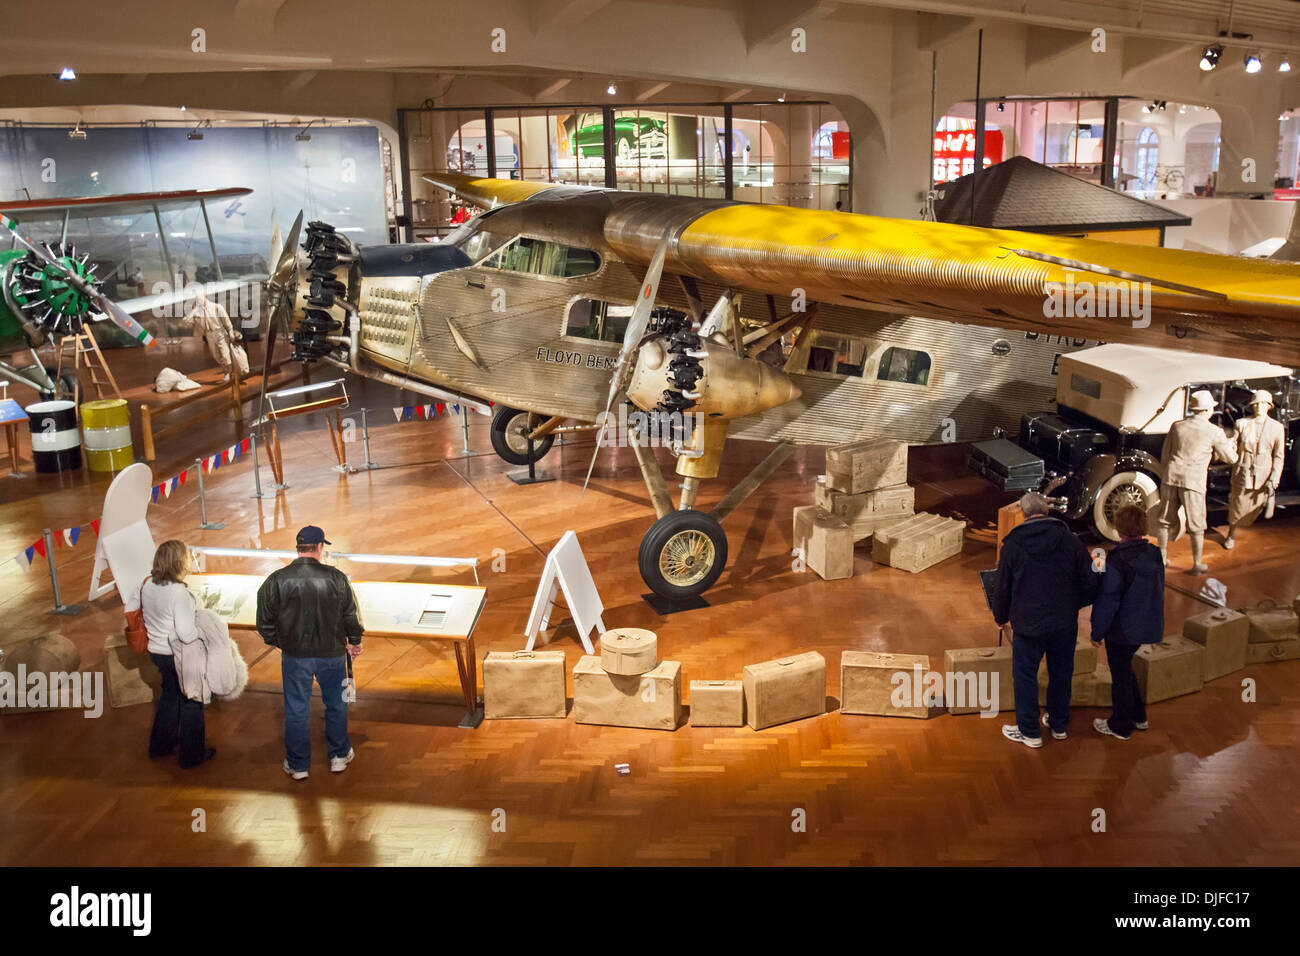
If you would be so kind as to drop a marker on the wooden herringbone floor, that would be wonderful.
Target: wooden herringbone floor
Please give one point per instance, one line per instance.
(1212, 782)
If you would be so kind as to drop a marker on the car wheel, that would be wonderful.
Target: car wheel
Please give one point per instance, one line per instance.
(510, 428)
(624, 149)
(1128, 488)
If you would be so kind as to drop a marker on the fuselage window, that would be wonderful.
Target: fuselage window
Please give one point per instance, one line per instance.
(832, 353)
(600, 321)
(904, 365)
(541, 258)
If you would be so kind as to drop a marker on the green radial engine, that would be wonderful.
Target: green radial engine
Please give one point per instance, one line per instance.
(40, 296)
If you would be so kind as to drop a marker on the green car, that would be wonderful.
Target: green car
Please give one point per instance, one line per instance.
(635, 137)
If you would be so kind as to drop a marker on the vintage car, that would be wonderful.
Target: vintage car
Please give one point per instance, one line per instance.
(1100, 449)
(634, 136)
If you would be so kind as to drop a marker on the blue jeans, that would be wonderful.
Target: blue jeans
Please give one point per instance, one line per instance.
(297, 674)
(1027, 651)
(176, 719)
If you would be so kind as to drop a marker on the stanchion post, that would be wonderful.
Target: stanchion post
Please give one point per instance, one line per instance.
(204, 523)
(59, 606)
(257, 472)
(365, 443)
(464, 411)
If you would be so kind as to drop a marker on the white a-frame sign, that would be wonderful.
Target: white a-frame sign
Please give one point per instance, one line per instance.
(566, 569)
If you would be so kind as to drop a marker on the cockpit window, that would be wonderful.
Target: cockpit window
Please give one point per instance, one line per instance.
(476, 241)
(539, 257)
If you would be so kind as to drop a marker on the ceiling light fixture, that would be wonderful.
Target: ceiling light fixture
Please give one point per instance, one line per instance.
(1252, 61)
(77, 132)
(1002, 107)
(67, 73)
(781, 98)
(1285, 65)
(1210, 58)
(612, 89)
(303, 136)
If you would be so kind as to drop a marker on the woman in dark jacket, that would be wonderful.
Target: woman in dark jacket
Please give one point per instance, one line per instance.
(1129, 612)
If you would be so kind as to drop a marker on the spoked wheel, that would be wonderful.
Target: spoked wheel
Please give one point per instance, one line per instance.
(682, 555)
(1126, 488)
(510, 428)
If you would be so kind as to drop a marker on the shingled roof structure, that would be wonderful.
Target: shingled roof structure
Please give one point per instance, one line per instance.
(1023, 194)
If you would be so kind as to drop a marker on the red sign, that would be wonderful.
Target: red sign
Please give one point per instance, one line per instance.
(840, 145)
(954, 152)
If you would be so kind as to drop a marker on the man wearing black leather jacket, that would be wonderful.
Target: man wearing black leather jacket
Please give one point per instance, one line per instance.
(308, 610)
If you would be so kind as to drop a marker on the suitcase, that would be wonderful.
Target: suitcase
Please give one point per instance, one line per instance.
(1224, 634)
(132, 678)
(717, 703)
(1005, 464)
(919, 542)
(993, 661)
(523, 684)
(869, 682)
(825, 541)
(1288, 650)
(1171, 668)
(652, 701)
(785, 689)
(1083, 690)
(629, 651)
(1085, 660)
(866, 511)
(1272, 624)
(866, 465)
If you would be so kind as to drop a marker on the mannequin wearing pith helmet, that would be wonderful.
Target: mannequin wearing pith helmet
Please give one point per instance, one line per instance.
(1185, 458)
(1261, 449)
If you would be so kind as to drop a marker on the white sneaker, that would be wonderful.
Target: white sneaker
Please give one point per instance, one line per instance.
(296, 774)
(1012, 732)
(339, 764)
(1103, 727)
(1055, 736)
(1141, 725)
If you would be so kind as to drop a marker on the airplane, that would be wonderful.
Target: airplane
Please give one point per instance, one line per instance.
(565, 305)
(48, 291)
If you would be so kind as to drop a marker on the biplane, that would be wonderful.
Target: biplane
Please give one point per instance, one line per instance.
(49, 291)
(567, 305)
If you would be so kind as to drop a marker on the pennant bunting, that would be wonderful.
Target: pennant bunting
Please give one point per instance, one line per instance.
(441, 407)
(456, 409)
(245, 445)
(39, 545)
(95, 525)
(230, 454)
(397, 412)
(29, 554)
(154, 493)
(418, 411)
(70, 536)
(183, 475)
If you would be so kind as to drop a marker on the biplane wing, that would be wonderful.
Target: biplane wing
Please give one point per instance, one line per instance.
(51, 210)
(1054, 285)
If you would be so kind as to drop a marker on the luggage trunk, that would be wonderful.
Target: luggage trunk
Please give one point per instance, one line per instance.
(1171, 668)
(1224, 634)
(523, 684)
(916, 543)
(1272, 624)
(652, 701)
(825, 540)
(993, 661)
(785, 689)
(869, 681)
(866, 465)
(867, 511)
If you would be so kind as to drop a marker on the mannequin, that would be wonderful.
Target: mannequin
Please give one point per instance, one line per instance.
(1261, 447)
(1185, 458)
(213, 323)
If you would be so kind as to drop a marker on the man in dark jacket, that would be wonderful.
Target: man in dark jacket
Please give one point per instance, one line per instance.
(308, 610)
(1044, 576)
(1129, 612)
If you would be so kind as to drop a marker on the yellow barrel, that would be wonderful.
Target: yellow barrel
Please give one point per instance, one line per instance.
(106, 433)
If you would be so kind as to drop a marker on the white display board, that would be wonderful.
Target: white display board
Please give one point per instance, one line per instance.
(125, 544)
(566, 571)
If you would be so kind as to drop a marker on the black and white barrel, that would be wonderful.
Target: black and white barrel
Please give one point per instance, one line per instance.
(56, 440)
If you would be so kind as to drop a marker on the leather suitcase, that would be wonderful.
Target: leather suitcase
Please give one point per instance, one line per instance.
(867, 511)
(717, 703)
(1288, 650)
(826, 542)
(785, 689)
(916, 543)
(652, 701)
(1272, 624)
(868, 684)
(866, 465)
(523, 684)
(1171, 668)
(994, 661)
(629, 651)
(1224, 634)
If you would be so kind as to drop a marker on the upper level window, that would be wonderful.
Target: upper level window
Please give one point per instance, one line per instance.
(838, 354)
(542, 258)
(601, 321)
(904, 365)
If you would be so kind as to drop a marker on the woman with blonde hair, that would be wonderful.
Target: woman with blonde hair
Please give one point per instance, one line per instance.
(170, 615)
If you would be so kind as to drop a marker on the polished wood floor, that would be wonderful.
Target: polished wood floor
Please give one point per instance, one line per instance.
(1212, 782)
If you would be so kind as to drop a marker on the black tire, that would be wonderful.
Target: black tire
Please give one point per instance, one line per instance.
(508, 425)
(668, 543)
(66, 386)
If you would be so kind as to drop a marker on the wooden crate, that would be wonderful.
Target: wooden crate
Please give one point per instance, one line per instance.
(825, 541)
(866, 511)
(994, 661)
(1173, 667)
(919, 542)
(717, 703)
(1224, 634)
(866, 465)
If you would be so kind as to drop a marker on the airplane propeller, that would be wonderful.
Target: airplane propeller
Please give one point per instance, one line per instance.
(119, 316)
(283, 287)
(632, 336)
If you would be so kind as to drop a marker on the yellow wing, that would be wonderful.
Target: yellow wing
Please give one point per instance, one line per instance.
(485, 192)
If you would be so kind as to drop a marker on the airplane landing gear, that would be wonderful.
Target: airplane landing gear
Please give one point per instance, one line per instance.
(510, 429)
(682, 555)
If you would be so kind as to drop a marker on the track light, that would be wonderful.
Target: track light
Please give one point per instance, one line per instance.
(781, 98)
(612, 89)
(1253, 64)
(1210, 58)
(67, 73)
(77, 132)
(1002, 107)
(302, 135)
(1284, 66)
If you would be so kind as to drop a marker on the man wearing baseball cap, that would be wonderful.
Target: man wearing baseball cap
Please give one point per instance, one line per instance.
(1185, 457)
(1261, 452)
(308, 610)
